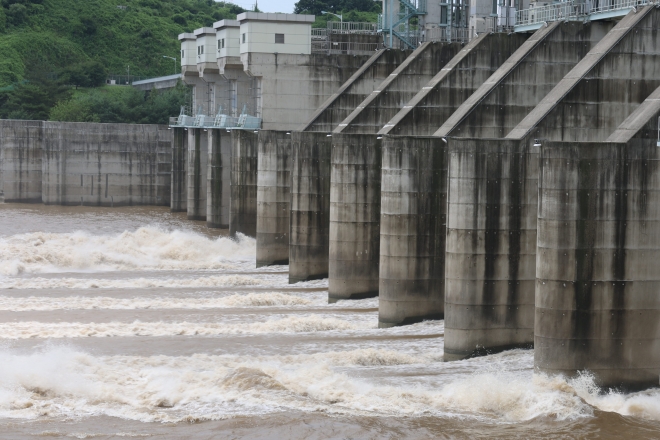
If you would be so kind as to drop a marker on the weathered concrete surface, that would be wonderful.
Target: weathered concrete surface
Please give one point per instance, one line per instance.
(196, 175)
(273, 197)
(218, 179)
(399, 87)
(243, 203)
(597, 302)
(179, 191)
(291, 87)
(523, 80)
(412, 230)
(354, 248)
(106, 164)
(20, 161)
(354, 90)
(604, 88)
(310, 206)
(491, 246)
(453, 84)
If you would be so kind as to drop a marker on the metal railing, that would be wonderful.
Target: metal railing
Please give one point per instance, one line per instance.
(574, 10)
(332, 47)
(352, 27)
(448, 34)
(319, 33)
(243, 122)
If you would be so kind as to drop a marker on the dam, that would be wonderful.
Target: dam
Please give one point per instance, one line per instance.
(496, 174)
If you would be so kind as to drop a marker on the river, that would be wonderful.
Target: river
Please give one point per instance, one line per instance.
(135, 322)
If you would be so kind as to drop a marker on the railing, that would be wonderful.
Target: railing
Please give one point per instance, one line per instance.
(319, 33)
(658, 144)
(573, 10)
(352, 27)
(331, 47)
(448, 34)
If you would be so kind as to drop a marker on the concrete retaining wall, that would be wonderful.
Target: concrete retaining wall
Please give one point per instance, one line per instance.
(354, 247)
(310, 206)
(412, 230)
(20, 161)
(273, 197)
(106, 164)
(243, 203)
(491, 246)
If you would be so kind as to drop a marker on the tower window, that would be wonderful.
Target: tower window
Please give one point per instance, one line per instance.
(243, 38)
(279, 38)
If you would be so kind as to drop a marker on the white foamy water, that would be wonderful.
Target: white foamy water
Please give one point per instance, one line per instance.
(148, 247)
(82, 339)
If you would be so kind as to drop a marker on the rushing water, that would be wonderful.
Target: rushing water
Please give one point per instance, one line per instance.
(134, 322)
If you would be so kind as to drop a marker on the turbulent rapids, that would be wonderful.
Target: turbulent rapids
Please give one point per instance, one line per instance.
(160, 323)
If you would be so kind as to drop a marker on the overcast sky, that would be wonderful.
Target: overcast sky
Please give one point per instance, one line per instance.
(285, 6)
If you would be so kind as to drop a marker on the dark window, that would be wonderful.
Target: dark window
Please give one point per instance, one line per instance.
(223, 43)
(443, 14)
(182, 54)
(219, 44)
(243, 38)
(494, 7)
(279, 38)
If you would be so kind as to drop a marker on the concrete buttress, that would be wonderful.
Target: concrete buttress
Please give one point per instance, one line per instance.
(218, 179)
(197, 169)
(243, 203)
(179, 198)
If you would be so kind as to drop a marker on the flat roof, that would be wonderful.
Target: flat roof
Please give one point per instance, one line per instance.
(225, 24)
(187, 36)
(204, 31)
(267, 16)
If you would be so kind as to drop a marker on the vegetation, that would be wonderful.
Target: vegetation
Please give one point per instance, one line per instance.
(351, 10)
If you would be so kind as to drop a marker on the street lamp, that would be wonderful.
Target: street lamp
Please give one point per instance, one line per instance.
(341, 18)
(173, 59)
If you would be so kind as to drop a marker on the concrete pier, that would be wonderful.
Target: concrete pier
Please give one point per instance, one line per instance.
(179, 191)
(273, 197)
(491, 246)
(412, 230)
(354, 247)
(219, 179)
(20, 161)
(243, 204)
(310, 206)
(197, 169)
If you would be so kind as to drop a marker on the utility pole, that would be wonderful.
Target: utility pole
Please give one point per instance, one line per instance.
(128, 75)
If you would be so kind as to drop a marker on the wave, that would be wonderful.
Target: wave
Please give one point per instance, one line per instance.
(267, 299)
(295, 324)
(138, 283)
(148, 247)
(60, 381)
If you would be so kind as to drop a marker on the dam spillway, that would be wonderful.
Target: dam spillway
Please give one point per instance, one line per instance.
(504, 185)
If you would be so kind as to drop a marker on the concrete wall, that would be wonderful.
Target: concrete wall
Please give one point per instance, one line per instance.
(398, 88)
(273, 197)
(412, 230)
(243, 203)
(196, 174)
(218, 188)
(106, 164)
(523, 80)
(604, 88)
(179, 191)
(20, 161)
(365, 80)
(259, 30)
(291, 87)
(491, 246)
(597, 306)
(454, 84)
(310, 206)
(354, 247)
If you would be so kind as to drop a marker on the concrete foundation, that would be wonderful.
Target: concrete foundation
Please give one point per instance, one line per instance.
(197, 169)
(310, 206)
(491, 246)
(412, 230)
(243, 203)
(20, 161)
(219, 179)
(354, 247)
(106, 164)
(179, 192)
(273, 197)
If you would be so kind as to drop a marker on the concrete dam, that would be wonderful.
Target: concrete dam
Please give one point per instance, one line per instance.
(505, 183)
